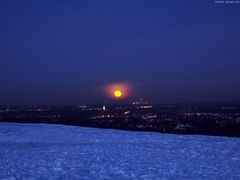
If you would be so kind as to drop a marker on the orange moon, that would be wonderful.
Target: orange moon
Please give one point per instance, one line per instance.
(118, 90)
(117, 93)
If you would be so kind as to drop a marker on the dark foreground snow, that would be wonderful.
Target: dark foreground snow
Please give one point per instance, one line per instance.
(43, 151)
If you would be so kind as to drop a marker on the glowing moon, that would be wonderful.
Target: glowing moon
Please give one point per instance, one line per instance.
(118, 91)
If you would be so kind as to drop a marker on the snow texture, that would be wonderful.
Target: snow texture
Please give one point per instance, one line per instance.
(41, 151)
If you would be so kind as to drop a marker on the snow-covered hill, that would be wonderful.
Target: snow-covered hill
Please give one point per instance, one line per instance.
(40, 151)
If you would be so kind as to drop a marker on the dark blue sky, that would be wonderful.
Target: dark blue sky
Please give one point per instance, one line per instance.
(63, 52)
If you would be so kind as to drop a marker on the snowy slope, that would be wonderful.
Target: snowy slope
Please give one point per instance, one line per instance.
(43, 151)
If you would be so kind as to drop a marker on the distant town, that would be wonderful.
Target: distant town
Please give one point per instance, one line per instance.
(203, 119)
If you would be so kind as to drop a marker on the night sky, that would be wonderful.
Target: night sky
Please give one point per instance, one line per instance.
(65, 52)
